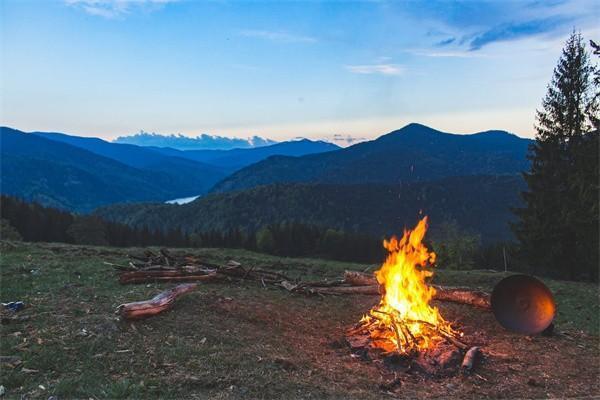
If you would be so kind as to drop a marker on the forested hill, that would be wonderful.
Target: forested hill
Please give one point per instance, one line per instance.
(411, 154)
(480, 204)
(234, 159)
(62, 175)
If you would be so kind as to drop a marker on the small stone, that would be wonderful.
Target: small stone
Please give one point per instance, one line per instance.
(2, 390)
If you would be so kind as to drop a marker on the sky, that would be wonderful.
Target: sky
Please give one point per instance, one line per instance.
(335, 70)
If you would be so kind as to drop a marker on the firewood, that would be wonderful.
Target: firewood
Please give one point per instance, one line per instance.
(443, 293)
(471, 359)
(159, 303)
(356, 278)
(165, 267)
(164, 276)
(462, 295)
(121, 267)
(368, 290)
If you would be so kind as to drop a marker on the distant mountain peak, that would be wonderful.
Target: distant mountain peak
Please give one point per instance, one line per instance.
(417, 126)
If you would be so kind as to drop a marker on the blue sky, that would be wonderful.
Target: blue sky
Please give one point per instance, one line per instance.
(284, 69)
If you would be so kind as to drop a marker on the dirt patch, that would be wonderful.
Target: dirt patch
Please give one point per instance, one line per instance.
(513, 366)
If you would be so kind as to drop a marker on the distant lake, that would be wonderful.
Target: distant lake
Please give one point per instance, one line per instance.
(182, 200)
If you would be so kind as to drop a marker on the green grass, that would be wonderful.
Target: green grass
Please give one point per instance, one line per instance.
(221, 341)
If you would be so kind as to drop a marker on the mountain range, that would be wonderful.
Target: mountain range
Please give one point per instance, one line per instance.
(411, 154)
(234, 159)
(80, 173)
(377, 187)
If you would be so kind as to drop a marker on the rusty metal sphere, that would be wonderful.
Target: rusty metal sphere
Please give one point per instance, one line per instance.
(523, 304)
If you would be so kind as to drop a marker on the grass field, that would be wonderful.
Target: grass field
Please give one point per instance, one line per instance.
(245, 341)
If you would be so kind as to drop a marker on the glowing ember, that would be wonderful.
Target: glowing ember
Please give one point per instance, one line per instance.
(404, 321)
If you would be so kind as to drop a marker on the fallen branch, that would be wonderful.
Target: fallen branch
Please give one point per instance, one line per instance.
(165, 267)
(356, 278)
(164, 276)
(338, 290)
(159, 303)
(462, 295)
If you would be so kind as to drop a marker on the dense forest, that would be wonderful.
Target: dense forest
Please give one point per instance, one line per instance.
(479, 204)
(456, 248)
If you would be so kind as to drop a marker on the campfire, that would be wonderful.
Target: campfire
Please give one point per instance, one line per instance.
(405, 327)
(404, 321)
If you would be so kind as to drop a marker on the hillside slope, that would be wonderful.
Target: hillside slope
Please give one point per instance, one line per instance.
(64, 176)
(235, 159)
(191, 177)
(412, 154)
(478, 203)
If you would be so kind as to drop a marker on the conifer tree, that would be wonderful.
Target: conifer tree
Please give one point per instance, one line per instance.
(558, 227)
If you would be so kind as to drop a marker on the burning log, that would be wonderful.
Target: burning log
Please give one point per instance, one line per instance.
(471, 358)
(442, 293)
(159, 303)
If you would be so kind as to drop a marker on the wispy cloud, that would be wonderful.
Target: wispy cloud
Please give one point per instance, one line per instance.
(116, 8)
(446, 42)
(277, 36)
(381, 69)
(514, 31)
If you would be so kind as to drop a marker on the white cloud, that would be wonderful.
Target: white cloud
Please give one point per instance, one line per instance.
(277, 36)
(382, 69)
(116, 8)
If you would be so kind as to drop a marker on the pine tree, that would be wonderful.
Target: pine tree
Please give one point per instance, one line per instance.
(558, 227)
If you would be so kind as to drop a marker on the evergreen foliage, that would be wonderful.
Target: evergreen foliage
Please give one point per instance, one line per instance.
(294, 239)
(558, 226)
(36, 223)
(455, 248)
(8, 232)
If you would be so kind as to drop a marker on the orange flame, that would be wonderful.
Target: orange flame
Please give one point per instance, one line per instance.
(404, 320)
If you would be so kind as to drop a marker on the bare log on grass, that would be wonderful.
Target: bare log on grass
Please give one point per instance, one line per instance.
(165, 267)
(356, 278)
(463, 295)
(159, 303)
(165, 276)
(339, 290)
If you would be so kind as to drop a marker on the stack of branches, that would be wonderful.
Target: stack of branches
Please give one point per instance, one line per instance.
(378, 322)
(166, 267)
